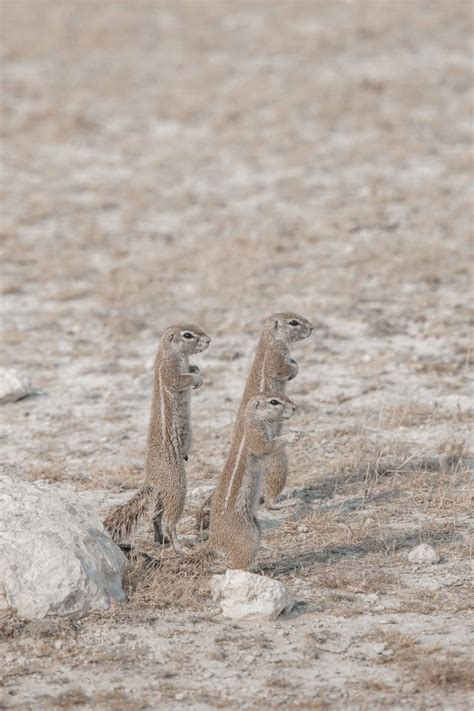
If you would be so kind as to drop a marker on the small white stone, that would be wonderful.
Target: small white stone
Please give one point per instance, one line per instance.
(13, 386)
(246, 596)
(423, 555)
(200, 493)
(179, 696)
(371, 598)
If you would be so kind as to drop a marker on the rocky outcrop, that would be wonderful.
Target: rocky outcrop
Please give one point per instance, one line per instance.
(55, 556)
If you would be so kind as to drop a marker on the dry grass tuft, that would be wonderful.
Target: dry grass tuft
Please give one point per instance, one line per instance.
(363, 456)
(404, 647)
(409, 414)
(51, 474)
(445, 672)
(113, 700)
(121, 478)
(428, 664)
(69, 699)
(170, 580)
(375, 685)
(354, 579)
(10, 625)
(279, 682)
(312, 705)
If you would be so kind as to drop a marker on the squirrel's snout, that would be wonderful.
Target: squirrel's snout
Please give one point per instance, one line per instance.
(290, 411)
(204, 342)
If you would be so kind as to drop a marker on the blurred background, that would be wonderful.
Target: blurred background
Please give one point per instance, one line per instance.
(218, 161)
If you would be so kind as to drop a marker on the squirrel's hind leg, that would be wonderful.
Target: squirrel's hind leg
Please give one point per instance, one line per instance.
(173, 537)
(157, 523)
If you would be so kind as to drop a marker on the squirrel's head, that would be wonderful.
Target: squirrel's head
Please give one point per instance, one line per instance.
(187, 339)
(271, 407)
(289, 327)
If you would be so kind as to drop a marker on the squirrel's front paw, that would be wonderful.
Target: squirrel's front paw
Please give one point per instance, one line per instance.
(197, 381)
(290, 437)
(294, 365)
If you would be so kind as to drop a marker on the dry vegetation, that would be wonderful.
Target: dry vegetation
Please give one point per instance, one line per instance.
(214, 162)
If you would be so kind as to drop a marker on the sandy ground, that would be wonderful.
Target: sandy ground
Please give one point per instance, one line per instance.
(215, 162)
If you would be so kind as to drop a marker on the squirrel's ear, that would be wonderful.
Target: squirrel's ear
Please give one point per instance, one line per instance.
(256, 405)
(275, 324)
(171, 336)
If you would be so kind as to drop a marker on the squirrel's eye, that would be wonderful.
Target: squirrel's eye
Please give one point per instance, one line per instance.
(274, 402)
(186, 334)
(293, 322)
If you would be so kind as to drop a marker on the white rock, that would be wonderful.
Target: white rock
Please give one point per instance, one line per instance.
(201, 492)
(13, 386)
(55, 556)
(246, 596)
(423, 555)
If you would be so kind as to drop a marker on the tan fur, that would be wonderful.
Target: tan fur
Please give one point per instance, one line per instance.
(169, 438)
(272, 368)
(234, 529)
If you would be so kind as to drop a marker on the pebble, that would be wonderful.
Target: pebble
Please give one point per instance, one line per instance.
(423, 555)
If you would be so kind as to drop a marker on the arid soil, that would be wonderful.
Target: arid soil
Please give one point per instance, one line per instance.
(215, 162)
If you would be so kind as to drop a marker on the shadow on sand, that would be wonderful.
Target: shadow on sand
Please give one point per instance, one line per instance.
(293, 563)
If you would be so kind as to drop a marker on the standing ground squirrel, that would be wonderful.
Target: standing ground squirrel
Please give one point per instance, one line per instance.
(272, 368)
(234, 529)
(169, 438)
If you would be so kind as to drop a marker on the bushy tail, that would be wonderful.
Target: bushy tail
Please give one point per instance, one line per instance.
(121, 522)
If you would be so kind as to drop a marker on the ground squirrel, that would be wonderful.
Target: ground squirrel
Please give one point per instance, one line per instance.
(234, 529)
(169, 438)
(271, 369)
